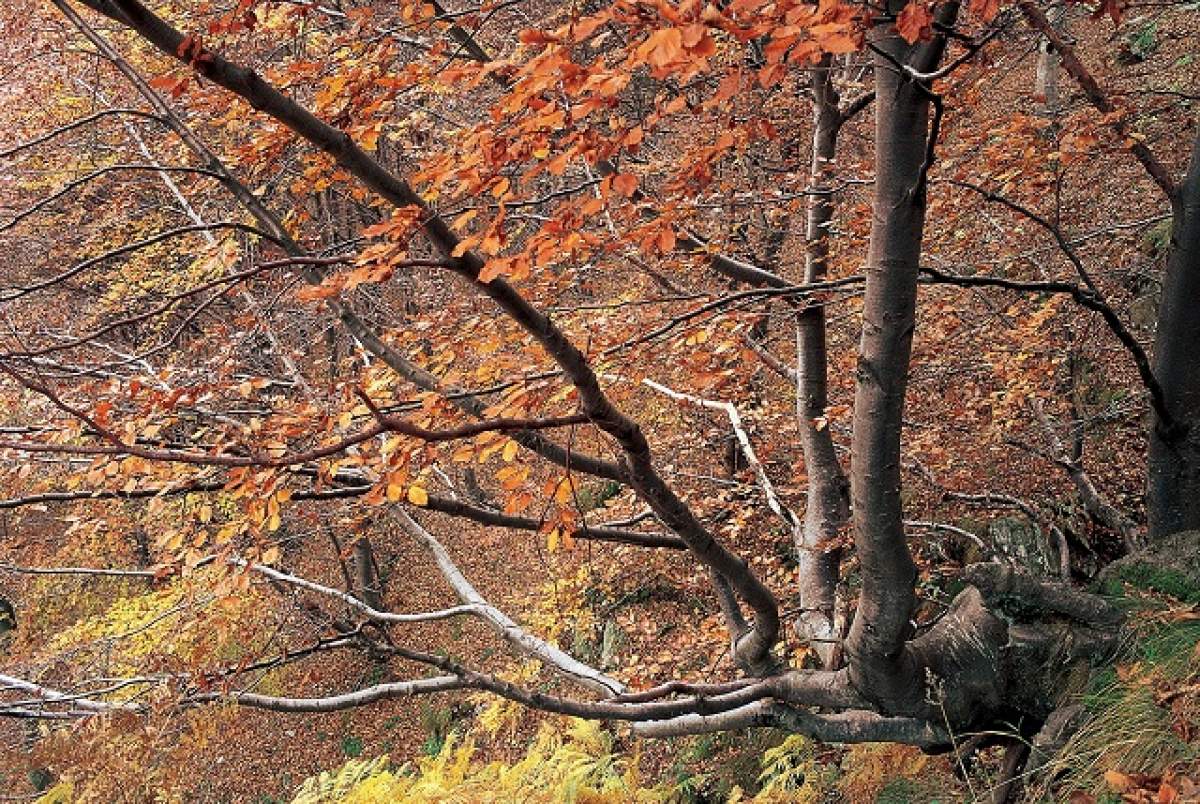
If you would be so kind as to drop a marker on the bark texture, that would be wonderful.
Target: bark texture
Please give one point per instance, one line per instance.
(1046, 76)
(880, 667)
(1174, 478)
(828, 507)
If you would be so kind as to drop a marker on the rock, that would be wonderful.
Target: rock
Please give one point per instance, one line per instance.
(1022, 543)
(1170, 565)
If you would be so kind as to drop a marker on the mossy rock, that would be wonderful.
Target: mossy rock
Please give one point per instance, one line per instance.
(1022, 543)
(1169, 566)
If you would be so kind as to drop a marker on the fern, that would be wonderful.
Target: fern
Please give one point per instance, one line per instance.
(577, 764)
(335, 787)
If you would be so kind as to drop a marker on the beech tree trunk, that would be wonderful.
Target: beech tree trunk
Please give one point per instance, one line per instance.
(879, 666)
(1046, 80)
(828, 505)
(370, 587)
(1173, 497)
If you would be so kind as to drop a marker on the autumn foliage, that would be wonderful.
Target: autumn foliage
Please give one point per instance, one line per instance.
(516, 383)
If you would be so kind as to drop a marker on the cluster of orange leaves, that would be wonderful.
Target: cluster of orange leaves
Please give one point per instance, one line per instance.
(1140, 788)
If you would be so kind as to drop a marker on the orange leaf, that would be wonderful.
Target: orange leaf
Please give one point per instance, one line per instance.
(1118, 781)
(729, 86)
(666, 239)
(694, 34)
(844, 43)
(626, 184)
(986, 10)
(915, 22)
(532, 36)
(662, 47)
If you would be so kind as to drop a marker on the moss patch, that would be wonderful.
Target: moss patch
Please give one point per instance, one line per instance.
(1146, 576)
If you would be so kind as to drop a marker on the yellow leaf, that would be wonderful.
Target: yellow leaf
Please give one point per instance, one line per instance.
(418, 496)
(394, 492)
(510, 451)
(225, 535)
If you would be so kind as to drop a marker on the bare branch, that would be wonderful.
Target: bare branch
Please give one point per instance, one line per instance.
(74, 124)
(366, 336)
(92, 176)
(501, 623)
(756, 647)
(735, 421)
(1091, 88)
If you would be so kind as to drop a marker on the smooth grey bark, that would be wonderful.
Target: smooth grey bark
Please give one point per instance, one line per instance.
(1046, 76)
(880, 667)
(1173, 498)
(366, 571)
(828, 504)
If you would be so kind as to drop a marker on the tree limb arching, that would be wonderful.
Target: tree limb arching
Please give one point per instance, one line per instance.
(501, 623)
(278, 233)
(755, 647)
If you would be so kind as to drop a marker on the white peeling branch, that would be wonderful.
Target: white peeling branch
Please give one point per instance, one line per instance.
(946, 528)
(85, 705)
(49, 695)
(350, 600)
(98, 572)
(846, 727)
(773, 502)
(335, 703)
(502, 624)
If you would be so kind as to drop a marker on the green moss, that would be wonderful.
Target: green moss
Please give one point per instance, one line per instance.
(1155, 579)
(899, 791)
(1157, 239)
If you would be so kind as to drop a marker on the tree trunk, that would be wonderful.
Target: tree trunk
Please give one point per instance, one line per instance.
(828, 506)
(1046, 80)
(369, 586)
(1174, 477)
(879, 666)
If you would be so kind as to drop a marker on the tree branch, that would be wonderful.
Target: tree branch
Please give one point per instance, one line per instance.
(1096, 96)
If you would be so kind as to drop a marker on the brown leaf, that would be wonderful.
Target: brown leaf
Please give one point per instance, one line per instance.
(915, 22)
